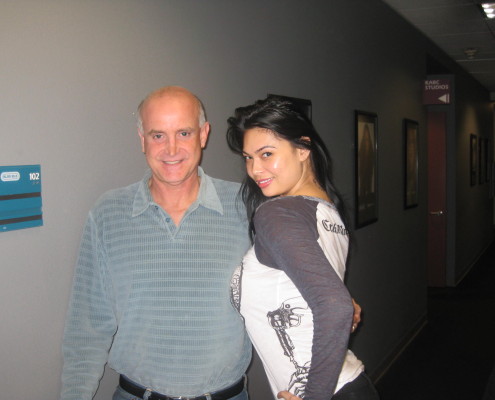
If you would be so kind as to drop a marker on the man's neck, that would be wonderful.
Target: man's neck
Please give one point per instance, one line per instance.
(175, 199)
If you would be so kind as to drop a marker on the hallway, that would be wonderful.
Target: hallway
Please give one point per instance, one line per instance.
(454, 355)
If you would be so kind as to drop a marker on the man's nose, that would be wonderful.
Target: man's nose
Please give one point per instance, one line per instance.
(171, 146)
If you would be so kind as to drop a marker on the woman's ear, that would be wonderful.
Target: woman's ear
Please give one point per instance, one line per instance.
(304, 152)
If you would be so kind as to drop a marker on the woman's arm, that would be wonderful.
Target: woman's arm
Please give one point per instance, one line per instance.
(287, 239)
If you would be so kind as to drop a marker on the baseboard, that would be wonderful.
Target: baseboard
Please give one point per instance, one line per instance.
(395, 353)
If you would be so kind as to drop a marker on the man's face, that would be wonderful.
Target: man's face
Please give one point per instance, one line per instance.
(172, 139)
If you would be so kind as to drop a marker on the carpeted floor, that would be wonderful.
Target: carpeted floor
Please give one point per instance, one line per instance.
(454, 355)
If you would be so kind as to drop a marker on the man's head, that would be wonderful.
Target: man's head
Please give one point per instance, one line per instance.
(170, 89)
(173, 130)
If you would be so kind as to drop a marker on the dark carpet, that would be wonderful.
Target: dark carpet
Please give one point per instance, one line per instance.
(453, 356)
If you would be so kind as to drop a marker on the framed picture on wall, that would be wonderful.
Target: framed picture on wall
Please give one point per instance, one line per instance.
(488, 161)
(491, 192)
(366, 164)
(473, 158)
(304, 105)
(481, 160)
(411, 146)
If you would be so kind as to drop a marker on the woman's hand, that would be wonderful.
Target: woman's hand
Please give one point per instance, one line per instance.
(287, 395)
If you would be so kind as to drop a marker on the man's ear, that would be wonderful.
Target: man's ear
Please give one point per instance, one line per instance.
(203, 134)
(141, 137)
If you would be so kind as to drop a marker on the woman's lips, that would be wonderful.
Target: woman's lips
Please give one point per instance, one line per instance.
(263, 183)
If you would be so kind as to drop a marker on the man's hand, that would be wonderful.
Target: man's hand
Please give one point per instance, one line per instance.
(356, 318)
(287, 395)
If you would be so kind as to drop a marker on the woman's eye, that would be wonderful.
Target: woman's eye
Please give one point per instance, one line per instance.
(266, 154)
(246, 158)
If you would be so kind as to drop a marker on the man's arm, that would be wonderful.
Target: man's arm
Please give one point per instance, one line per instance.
(90, 323)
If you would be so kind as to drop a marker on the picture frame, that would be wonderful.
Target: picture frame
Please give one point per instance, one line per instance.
(488, 176)
(481, 161)
(473, 158)
(491, 190)
(366, 168)
(411, 163)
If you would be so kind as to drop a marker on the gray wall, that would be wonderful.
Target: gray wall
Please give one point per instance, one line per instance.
(72, 73)
(474, 207)
(469, 208)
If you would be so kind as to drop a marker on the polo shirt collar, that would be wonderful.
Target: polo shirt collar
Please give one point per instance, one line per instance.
(207, 195)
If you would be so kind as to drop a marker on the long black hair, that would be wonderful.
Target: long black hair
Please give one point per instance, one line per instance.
(286, 120)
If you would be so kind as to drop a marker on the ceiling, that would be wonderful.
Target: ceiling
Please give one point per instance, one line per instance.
(456, 26)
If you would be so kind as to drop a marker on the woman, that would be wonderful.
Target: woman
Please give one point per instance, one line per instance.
(290, 288)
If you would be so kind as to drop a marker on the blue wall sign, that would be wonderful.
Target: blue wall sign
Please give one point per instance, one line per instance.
(20, 197)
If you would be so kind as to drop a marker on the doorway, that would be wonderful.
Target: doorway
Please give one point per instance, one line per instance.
(437, 198)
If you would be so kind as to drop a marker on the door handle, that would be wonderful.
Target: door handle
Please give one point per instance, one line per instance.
(436, 213)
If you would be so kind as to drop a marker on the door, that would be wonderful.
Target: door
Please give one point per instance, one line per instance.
(437, 218)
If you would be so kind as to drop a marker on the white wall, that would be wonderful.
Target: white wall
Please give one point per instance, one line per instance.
(72, 73)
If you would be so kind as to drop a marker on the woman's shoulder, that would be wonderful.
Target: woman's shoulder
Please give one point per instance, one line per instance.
(294, 203)
(295, 210)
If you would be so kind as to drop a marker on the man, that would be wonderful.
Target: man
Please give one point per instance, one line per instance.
(152, 281)
(151, 286)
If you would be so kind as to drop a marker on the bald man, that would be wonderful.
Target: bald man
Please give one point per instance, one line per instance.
(151, 287)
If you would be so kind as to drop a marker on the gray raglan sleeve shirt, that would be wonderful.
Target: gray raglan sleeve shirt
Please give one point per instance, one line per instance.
(287, 239)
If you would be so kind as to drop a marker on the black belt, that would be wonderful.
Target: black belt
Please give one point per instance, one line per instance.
(139, 391)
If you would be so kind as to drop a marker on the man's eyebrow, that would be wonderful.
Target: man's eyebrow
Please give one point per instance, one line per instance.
(185, 129)
(151, 131)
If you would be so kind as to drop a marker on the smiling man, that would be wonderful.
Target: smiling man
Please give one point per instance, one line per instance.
(151, 286)
(173, 132)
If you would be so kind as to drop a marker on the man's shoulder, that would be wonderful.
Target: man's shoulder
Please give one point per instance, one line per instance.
(226, 185)
(225, 189)
(118, 196)
(228, 194)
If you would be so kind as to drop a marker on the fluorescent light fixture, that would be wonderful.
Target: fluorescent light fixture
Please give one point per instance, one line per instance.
(488, 10)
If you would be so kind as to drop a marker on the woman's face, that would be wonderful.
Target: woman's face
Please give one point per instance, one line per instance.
(278, 167)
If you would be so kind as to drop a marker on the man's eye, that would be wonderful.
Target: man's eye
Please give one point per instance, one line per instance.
(157, 136)
(183, 134)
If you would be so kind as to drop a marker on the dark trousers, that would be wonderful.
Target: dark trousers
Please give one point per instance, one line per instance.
(490, 387)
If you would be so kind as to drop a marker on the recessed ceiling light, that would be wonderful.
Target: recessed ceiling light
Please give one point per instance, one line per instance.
(488, 9)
